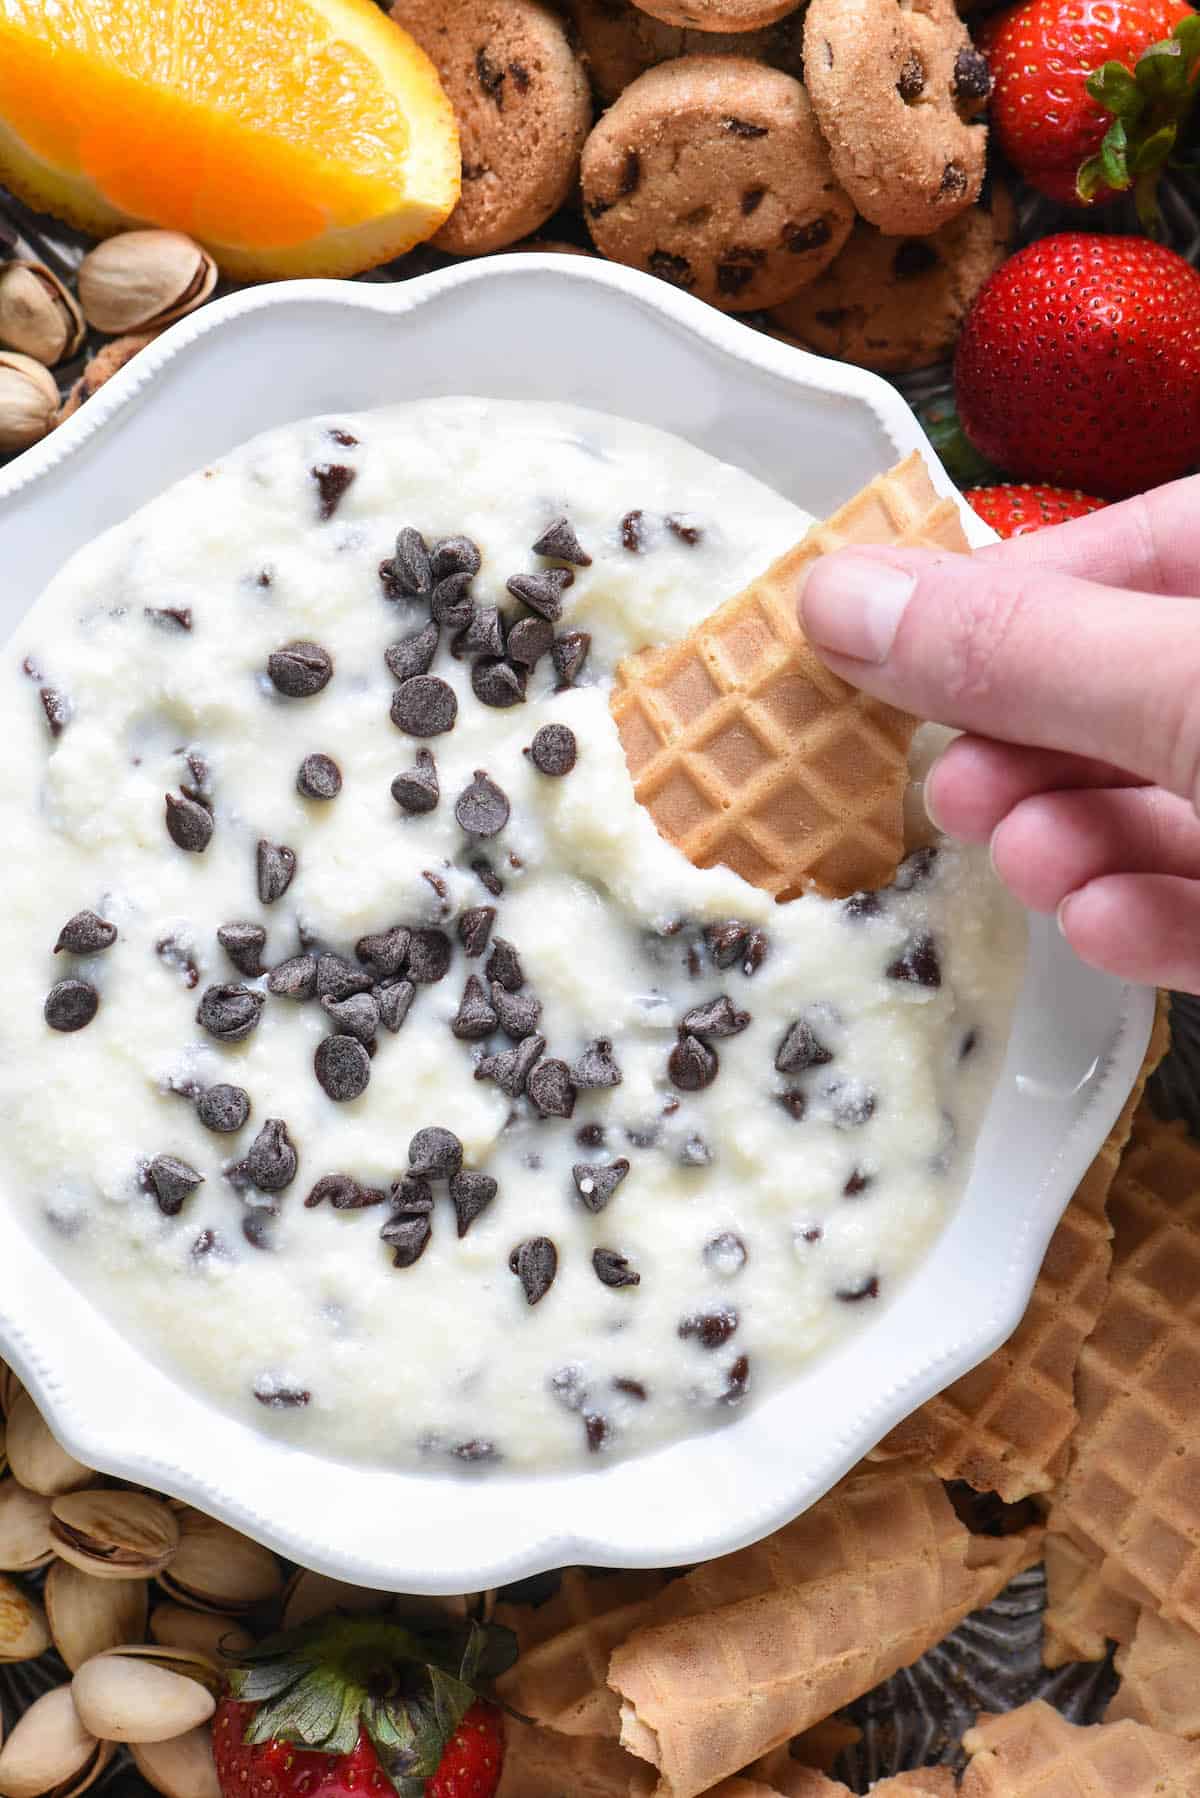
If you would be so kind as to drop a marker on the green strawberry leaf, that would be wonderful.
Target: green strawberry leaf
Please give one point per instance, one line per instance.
(1152, 152)
(1114, 88)
(1155, 119)
(1162, 71)
(1114, 156)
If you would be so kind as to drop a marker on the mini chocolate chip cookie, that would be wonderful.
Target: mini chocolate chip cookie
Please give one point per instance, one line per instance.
(710, 173)
(619, 42)
(897, 89)
(898, 303)
(523, 107)
(719, 15)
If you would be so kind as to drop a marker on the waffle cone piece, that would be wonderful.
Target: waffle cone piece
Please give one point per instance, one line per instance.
(747, 751)
(1005, 1427)
(541, 1763)
(1085, 1611)
(1160, 1678)
(1035, 1753)
(817, 1747)
(560, 1676)
(745, 1652)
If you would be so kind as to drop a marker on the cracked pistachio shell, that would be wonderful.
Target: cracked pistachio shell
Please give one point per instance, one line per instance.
(216, 1568)
(24, 1632)
(210, 1633)
(28, 401)
(88, 1615)
(310, 1595)
(50, 1751)
(145, 1694)
(37, 1459)
(38, 316)
(114, 1535)
(140, 280)
(25, 1541)
(180, 1768)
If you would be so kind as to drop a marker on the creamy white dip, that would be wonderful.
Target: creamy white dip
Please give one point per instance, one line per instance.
(763, 1215)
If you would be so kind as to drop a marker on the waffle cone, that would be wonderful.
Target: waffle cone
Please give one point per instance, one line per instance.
(1084, 1610)
(747, 751)
(747, 1651)
(1160, 1678)
(560, 1675)
(804, 1782)
(1005, 1427)
(541, 1763)
(1035, 1753)
(817, 1747)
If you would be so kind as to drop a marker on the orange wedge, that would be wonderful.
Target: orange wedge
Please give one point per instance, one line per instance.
(291, 137)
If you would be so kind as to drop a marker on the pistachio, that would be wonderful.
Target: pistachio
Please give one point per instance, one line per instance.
(108, 361)
(24, 1632)
(310, 1595)
(50, 1751)
(180, 1768)
(24, 1529)
(130, 1696)
(36, 1457)
(88, 1615)
(217, 1569)
(37, 314)
(204, 1632)
(28, 401)
(141, 280)
(114, 1535)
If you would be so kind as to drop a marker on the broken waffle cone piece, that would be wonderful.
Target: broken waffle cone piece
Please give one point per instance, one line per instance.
(1005, 1427)
(1160, 1678)
(817, 1747)
(1035, 1753)
(746, 1651)
(1084, 1610)
(541, 1763)
(559, 1678)
(746, 750)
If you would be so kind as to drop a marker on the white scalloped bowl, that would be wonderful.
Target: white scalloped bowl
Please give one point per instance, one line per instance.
(563, 328)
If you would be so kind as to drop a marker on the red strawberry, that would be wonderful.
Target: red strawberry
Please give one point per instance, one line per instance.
(354, 1705)
(1041, 55)
(1014, 510)
(1079, 363)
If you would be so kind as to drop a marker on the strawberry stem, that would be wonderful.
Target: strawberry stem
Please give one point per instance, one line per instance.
(1153, 108)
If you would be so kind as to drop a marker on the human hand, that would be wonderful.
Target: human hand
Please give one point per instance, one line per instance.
(1071, 658)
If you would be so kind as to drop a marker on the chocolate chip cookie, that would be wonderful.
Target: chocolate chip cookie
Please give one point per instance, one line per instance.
(619, 42)
(897, 90)
(898, 303)
(523, 107)
(719, 15)
(710, 172)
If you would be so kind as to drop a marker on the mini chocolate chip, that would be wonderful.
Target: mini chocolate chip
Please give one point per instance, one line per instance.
(754, 953)
(569, 1387)
(632, 1389)
(343, 1068)
(206, 1243)
(199, 787)
(596, 1066)
(684, 528)
(429, 954)
(356, 1016)
(470, 1193)
(435, 1153)
(799, 239)
(865, 1289)
(801, 1049)
(733, 277)
(482, 868)
(338, 978)
(861, 905)
(319, 777)
(535, 1264)
(633, 532)
(590, 1136)
(275, 868)
(549, 1085)
(853, 1105)
(497, 683)
(812, 1235)
(484, 634)
(394, 1001)
(424, 706)
(476, 1450)
(482, 808)
(343, 1193)
(71, 1005)
(717, 1017)
(223, 1108)
(910, 84)
(613, 1269)
(295, 978)
(333, 480)
(916, 869)
(529, 640)
(918, 963)
(596, 1182)
(345, 438)
(57, 708)
(440, 887)
(743, 128)
(385, 952)
(518, 1014)
(559, 541)
(695, 1152)
(417, 791)
(85, 934)
(504, 965)
(172, 1181)
(412, 655)
(450, 603)
(413, 1194)
(474, 929)
(914, 257)
(408, 1236)
(954, 180)
(597, 1430)
(972, 76)
(712, 1329)
(794, 1103)
(244, 945)
(282, 1398)
(455, 555)
(475, 1017)
(272, 1161)
(752, 199)
(725, 1254)
(858, 1182)
(300, 669)
(737, 1382)
(542, 592)
(968, 1045)
(189, 824)
(510, 1069)
(413, 572)
(553, 750)
(229, 1013)
(569, 654)
(692, 1065)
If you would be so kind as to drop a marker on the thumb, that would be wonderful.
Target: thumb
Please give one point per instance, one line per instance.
(1008, 650)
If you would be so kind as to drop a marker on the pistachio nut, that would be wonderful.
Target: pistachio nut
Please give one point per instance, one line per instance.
(50, 1751)
(38, 316)
(24, 1529)
(147, 1695)
(310, 1595)
(180, 1768)
(36, 1457)
(114, 1535)
(88, 1615)
(216, 1568)
(143, 279)
(24, 1632)
(109, 360)
(209, 1633)
(28, 401)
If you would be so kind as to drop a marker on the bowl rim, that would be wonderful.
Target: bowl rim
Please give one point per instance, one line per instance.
(103, 1441)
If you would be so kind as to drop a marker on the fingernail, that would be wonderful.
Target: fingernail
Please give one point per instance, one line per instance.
(852, 605)
(1060, 916)
(927, 798)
